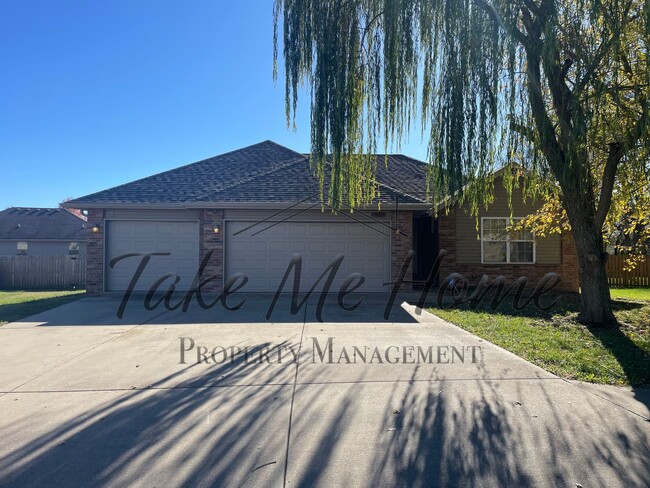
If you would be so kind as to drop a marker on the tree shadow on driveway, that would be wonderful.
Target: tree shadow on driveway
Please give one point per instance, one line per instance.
(435, 431)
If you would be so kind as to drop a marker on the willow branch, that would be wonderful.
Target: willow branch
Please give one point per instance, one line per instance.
(523, 130)
(494, 15)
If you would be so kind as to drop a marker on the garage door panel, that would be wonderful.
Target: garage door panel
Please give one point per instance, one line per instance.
(146, 229)
(355, 230)
(179, 239)
(297, 246)
(318, 246)
(337, 230)
(258, 246)
(375, 247)
(278, 264)
(165, 228)
(337, 247)
(264, 257)
(317, 230)
(143, 246)
(356, 247)
(186, 246)
(297, 229)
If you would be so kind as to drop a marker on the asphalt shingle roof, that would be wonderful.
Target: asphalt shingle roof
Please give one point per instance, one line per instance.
(41, 223)
(262, 173)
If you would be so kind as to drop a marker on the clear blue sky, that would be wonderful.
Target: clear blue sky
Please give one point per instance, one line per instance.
(95, 94)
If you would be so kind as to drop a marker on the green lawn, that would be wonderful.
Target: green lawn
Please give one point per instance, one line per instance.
(15, 305)
(631, 293)
(556, 342)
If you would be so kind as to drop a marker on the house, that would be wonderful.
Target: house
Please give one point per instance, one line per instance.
(251, 210)
(42, 232)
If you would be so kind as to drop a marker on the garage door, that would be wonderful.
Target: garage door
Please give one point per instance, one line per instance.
(264, 257)
(179, 239)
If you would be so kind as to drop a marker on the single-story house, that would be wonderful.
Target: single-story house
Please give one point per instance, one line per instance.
(251, 210)
(42, 232)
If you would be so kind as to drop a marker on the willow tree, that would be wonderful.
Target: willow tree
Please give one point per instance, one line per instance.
(559, 87)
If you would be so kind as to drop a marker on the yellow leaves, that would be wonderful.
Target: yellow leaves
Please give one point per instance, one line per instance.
(548, 220)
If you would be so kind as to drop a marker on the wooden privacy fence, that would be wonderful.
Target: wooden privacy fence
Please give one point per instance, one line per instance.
(639, 276)
(41, 272)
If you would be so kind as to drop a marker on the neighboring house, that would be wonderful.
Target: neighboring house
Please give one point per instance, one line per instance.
(42, 232)
(255, 208)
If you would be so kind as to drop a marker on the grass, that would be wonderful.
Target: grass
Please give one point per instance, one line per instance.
(15, 305)
(555, 341)
(642, 294)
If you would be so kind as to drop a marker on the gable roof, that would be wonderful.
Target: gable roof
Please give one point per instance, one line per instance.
(264, 173)
(20, 223)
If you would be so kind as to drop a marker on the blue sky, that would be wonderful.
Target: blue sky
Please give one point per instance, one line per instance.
(95, 94)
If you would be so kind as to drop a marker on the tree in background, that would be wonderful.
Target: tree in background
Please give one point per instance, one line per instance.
(559, 87)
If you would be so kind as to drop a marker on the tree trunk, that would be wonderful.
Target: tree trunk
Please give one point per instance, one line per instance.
(594, 292)
(594, 287)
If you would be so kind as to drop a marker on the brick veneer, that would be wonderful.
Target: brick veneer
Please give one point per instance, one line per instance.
(567, 269)
(208, 219)
(401, 244)
(95, 253)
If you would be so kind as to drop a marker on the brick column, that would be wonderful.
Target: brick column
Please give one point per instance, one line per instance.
(95, 252)
(570, 272)
(209, 241)
(401, 244)
(447, 241)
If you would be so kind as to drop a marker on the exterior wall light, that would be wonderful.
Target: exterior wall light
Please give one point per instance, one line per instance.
(216, 229)
(95, 228)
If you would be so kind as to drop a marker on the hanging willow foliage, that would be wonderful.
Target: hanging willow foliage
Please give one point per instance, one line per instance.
(547, 84)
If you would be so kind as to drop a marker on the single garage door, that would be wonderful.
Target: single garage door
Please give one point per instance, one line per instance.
(179, 239)
(264, 257)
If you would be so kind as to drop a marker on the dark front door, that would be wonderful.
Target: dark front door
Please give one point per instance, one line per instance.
(425, 237)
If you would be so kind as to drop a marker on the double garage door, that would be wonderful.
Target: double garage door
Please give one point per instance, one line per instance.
(262, 256)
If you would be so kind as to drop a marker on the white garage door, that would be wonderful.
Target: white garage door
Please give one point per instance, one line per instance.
(264, 258)
(179, 239)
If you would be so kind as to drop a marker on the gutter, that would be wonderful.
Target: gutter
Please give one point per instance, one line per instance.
(229, 205)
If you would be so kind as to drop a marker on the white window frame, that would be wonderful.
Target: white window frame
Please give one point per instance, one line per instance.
(73, 253)
(22, 252)
(507, 241)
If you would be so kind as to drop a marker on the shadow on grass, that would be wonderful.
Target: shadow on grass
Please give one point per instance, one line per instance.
(12, 312)
(634, 360)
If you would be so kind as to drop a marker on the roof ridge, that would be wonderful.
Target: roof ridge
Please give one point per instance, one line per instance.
(253, 176)
(415, 160)
(32, 208)
(378, 155)
(284, 147)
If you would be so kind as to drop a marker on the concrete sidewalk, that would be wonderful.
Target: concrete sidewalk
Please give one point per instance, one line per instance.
(87, 399)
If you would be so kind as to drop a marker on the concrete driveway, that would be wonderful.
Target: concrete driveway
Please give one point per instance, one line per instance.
(87, 399)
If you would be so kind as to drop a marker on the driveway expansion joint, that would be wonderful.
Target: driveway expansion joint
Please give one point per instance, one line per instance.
(293, 398)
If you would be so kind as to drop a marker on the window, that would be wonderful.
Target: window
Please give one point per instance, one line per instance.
(500, 246)
(21, 249)
(73, 250)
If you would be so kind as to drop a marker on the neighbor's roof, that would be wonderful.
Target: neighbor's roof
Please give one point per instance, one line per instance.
(20, 223)
(264, 173)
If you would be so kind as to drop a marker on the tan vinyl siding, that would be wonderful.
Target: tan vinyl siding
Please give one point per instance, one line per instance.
(468, 245)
